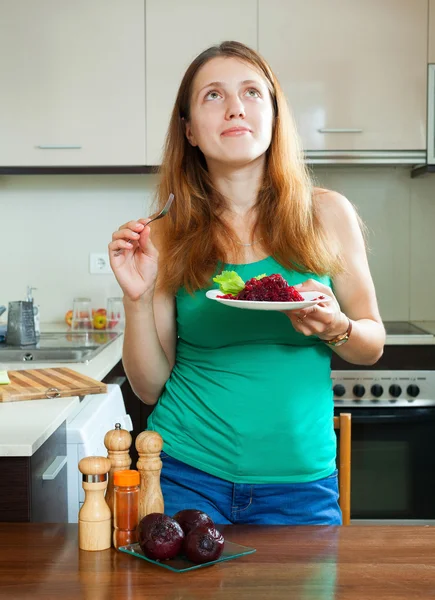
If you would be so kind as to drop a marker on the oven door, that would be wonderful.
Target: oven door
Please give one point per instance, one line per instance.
(393, 463)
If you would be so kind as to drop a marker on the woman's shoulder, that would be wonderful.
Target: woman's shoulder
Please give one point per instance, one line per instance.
(339, 218)
(324, 198)
(333, 208)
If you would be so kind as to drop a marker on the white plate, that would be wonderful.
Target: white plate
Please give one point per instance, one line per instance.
(260, 305)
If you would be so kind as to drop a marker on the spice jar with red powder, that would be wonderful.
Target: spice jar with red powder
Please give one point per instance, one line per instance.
(125, 507)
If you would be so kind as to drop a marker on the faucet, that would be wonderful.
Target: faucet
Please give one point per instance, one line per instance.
(29, 293)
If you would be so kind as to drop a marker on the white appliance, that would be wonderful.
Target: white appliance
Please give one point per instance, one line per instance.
(85, 431)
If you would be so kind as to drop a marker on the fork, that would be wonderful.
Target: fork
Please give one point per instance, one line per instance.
(161, 214)
(164, 210)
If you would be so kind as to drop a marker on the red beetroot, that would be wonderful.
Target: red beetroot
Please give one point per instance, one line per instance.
(203, 544)
(160, 537)
(189, 518)
(273, 288)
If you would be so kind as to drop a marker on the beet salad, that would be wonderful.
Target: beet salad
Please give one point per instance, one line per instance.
(266, 288)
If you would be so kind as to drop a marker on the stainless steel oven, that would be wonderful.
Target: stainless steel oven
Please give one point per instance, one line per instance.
(393, 431)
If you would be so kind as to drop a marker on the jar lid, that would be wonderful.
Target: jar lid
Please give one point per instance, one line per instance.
(126, 478)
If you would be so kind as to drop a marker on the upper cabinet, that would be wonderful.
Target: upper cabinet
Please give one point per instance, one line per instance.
(92, 84)
(432, 31)
(355, 73)
(73, 83)
(176, 32)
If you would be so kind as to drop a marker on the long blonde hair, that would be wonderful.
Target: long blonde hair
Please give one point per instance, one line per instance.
(190, 238)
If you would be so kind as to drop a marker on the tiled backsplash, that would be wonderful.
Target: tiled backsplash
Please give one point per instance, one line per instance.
(50, 224)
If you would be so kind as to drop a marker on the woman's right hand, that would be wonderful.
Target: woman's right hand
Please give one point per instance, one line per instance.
(133, 259)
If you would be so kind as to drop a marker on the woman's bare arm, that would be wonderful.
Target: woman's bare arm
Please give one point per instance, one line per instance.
(354, 292)
(149, 344)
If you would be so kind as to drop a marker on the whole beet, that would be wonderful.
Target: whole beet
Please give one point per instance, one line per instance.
(203, 544)
(160, 537)
(189, 518)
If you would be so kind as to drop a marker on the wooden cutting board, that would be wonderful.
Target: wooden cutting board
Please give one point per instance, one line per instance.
(36, 384)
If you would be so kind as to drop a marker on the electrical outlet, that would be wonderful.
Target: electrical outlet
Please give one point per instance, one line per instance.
(99, 263)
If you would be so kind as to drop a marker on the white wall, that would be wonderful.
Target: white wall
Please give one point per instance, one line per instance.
(50, 224)
(400, 215)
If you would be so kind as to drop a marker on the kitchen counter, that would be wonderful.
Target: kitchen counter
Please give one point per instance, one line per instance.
(407, 340)
(309, 563)
(25, 426)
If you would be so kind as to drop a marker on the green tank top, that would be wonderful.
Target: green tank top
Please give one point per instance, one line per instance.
(249, 399)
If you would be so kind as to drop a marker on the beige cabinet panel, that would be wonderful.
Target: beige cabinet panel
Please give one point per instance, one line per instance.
(73, 82)
(432, 31)
(354, 71)
(176, 32)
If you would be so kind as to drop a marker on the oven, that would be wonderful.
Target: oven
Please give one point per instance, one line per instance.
(392, 405)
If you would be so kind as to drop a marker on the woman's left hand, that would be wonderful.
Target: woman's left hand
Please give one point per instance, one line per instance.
(324, 319)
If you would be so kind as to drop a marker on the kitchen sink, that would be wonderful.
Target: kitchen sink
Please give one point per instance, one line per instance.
(49, 354)
(59, 348)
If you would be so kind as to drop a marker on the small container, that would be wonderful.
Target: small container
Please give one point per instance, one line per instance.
(125, 507)
(82, 315)
(115, 314)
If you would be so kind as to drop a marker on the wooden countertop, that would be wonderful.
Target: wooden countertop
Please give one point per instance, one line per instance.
(291, 563)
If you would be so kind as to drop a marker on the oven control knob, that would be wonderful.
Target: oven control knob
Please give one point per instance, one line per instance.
(395, 390)
(339, 390)
(413, 390)
(359, 390)
(377, 390)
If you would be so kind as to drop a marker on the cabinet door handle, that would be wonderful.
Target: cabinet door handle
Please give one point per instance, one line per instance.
(61, 147)
(55, 468)
(339, 130)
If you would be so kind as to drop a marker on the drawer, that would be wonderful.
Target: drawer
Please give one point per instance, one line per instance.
(35, 487)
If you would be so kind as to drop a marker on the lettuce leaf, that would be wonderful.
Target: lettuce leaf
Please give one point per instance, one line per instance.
(229, 282)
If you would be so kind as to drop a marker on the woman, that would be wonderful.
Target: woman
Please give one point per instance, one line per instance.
(244, 398)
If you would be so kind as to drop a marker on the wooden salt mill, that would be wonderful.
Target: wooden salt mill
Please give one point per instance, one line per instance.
(149, 444)
(117, 442)
(95, 529)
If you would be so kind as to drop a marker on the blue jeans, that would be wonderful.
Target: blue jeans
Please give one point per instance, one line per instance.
(312, 503)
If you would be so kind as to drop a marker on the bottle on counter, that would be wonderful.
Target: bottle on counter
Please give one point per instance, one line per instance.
(125, 507)
(117, 442)
(95, 530)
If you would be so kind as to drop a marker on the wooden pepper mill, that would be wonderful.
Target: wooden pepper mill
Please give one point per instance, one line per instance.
(117, 442)
(95, 529)
(149, 444)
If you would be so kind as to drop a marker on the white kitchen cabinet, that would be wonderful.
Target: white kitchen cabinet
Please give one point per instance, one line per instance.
(176, 32)
(72, 83)
(431, 31)
(353, 72)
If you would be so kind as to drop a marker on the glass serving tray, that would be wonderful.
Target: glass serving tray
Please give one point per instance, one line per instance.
(181, 564)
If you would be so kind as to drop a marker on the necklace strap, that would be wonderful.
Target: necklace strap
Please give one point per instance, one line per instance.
(251, 244)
